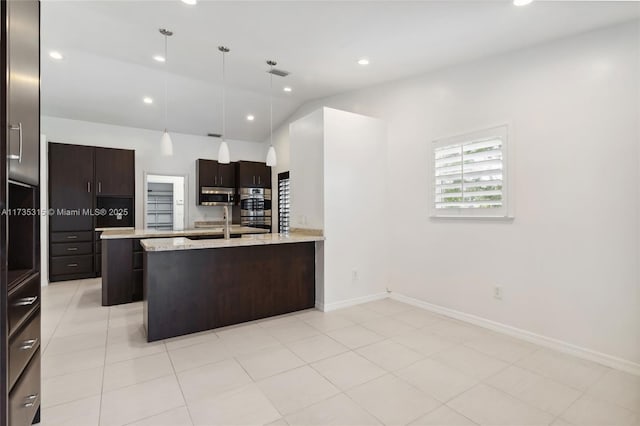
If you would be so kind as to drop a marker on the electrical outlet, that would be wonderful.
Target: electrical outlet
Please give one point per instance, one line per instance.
(354, 274)
(497, 292)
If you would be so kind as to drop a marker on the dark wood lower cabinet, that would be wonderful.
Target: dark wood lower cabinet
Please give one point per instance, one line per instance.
(24, 352)
(187, 291)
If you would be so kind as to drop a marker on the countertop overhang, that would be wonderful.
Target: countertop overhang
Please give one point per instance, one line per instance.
(156, 233)
(184, 243)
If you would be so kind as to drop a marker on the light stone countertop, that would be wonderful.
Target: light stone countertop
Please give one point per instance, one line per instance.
(183, 243)
(157, 233)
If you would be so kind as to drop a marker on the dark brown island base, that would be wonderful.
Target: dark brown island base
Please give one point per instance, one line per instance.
(197, 285)
(122, 258)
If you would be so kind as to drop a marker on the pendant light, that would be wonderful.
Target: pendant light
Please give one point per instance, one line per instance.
(223, 151)
(272, 159)
(166, 145)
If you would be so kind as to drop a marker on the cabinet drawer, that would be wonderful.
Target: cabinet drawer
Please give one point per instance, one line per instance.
(24, 399)
(70, 249)
(68, 237)
(22, 347)
(23, 300)
(69, 265)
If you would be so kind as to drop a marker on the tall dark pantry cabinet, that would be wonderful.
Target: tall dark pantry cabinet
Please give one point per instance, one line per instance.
(20, 219)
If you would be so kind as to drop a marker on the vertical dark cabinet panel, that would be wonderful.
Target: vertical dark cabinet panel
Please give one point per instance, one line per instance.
(115, 172)
(19, 235)
(24, 90)
(117, 256)
(70, 186)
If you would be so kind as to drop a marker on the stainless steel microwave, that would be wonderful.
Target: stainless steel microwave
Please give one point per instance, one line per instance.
(216, 196)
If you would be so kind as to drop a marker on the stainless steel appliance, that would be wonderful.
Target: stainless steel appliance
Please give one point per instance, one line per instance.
(216, 196)
(255, 207)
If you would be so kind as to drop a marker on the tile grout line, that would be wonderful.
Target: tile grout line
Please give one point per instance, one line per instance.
(175, 373)
(66, 308)
(104, 367)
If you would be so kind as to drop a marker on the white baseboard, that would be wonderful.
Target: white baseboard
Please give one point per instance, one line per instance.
(326, 307)
(559, 345)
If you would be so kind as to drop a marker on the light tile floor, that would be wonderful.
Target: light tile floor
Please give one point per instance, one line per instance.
(379, 363)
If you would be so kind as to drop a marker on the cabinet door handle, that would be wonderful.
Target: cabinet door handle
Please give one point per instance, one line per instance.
(30, 401)
(258, 180)
(99, 186)
(26, 301)
(220, 180)
(72, 237)
(254, 180)
(72, 265)
(28, 344)
(215, 180)
(19, 156)
(72, 248)
(89, 187)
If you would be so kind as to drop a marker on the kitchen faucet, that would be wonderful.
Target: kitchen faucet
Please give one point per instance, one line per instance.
(227, 230)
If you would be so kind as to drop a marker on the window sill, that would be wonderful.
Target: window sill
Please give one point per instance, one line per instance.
(479, 218)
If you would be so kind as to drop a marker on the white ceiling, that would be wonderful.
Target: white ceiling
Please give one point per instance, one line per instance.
(108, 48)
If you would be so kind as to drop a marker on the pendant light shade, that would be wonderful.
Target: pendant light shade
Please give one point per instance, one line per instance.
(223, 151)
(166, 145)
(272, 159)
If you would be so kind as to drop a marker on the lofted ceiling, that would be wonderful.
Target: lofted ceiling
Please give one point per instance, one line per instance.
(108, 49)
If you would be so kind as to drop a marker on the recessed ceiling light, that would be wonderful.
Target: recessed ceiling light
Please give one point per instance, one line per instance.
(363, 61)
(190, 2)
(56, 55)
(521, 2)
(250, 117)
(287, 89)
(159, 58)
(147, 100)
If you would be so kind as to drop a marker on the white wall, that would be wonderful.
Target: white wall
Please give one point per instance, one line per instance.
(356, 228)
(186, 150)
(569, 262)
(337, 177)
(307, 171)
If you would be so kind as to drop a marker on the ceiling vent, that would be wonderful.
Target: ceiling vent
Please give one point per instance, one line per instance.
(279, 73)
(214, 135)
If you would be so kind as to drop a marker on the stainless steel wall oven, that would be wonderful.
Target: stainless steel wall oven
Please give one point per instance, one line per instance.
(255, 207)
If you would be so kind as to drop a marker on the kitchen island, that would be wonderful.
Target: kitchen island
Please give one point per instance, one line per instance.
(196, 285)
(121, 257)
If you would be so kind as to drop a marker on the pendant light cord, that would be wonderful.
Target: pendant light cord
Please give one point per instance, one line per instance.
(224, 98)
(166, 77)
(271, 106)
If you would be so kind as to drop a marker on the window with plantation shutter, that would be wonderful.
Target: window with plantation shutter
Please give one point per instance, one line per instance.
(283, 202)
(470, 175)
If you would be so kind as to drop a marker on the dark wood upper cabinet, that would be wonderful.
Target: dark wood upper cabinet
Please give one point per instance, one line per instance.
(71, 186)
(263, 173)
(206, 173)
(252, 174)
(23, 94)
(213, 174)
(227, 175)
(115, 172)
